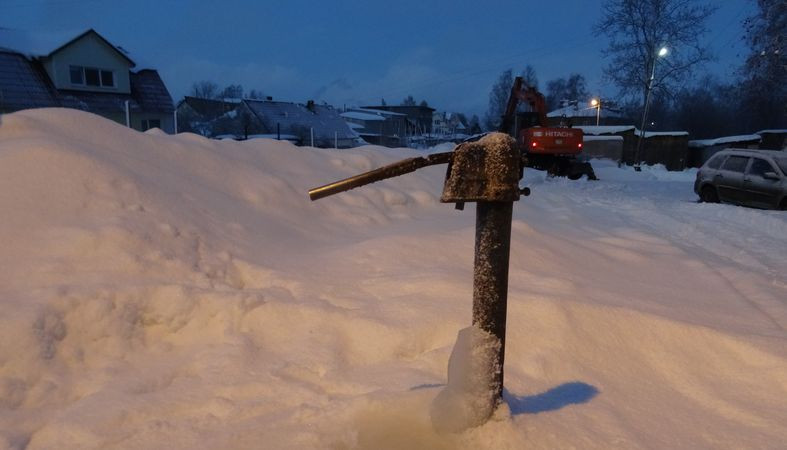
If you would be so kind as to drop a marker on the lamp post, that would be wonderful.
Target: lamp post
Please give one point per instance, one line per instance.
(596, 103)
(661, 53)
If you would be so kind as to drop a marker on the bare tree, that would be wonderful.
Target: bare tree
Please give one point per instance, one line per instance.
(765, 70)
(204, 89)
(232, 91)
(638, 29)
(574, 89)
(529, 76)
(498, 98)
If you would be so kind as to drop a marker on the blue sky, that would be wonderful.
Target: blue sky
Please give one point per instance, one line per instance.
(349, 52)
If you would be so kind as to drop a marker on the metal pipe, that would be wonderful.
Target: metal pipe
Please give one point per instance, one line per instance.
(490, 277)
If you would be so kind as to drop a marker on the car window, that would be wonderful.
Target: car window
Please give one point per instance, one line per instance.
(782, 163)
(759, 166)
(715, 161)
(735, 163)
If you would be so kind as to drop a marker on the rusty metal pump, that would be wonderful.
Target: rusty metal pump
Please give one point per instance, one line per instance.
(487, 172)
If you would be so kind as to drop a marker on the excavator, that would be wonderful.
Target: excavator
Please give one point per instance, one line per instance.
(554, 149)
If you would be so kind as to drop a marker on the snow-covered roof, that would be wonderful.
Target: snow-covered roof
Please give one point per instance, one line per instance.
(589, 138)
(361, 116)
(577, 111)
(725, 140)
(614, 129)
(605, 129)
(649, 134)
(776, 131)
(377, 112)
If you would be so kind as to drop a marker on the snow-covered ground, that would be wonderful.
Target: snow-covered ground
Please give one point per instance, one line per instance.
(176, 292)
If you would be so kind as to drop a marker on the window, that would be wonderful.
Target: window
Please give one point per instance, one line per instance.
(107, 78)
(91, 76)
(150, 123)
(76, 75)
(715, 161)
(736, 163)
(760, 166)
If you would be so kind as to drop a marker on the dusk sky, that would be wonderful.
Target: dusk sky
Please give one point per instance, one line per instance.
(356, 52)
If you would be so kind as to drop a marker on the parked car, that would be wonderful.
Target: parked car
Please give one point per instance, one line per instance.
(755, 178)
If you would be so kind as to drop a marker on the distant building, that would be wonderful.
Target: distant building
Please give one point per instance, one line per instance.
(573, 113)
(312, 124)
(669, 148)
(379, 127)
(309, 124)
(773, 139)
(700, 150)
(448, 124)
(213, 117)
(419, 118)
(85, 72)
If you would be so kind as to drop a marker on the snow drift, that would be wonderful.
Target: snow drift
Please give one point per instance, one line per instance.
(176, 292)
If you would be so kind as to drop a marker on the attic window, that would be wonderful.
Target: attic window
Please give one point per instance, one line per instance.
(91, 76)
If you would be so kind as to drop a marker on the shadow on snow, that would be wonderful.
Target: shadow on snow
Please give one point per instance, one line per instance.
(558, 397)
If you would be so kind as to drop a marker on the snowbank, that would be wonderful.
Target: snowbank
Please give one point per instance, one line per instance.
(177, 292)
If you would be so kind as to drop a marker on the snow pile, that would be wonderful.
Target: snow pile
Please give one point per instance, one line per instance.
(176, 292)
(469, 397)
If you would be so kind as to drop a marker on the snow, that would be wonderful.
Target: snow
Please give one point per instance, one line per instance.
(725, 140)
(605, 129)
(468, 399)
(361, 116)
(592, 138)
(179, 292)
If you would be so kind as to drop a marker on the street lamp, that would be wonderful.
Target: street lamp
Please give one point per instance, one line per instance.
(660, 54)
(596, 103)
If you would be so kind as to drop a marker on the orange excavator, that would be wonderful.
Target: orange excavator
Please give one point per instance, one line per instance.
(554, 149)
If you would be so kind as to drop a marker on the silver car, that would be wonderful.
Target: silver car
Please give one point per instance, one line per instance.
(745, 177)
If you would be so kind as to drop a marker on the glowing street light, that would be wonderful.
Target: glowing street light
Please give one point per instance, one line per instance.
(596, 103)
(663, 51)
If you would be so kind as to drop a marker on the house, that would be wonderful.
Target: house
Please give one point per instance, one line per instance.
(85, 72)
(700, 150)
(214, 117)
(313, 125)
(378, 127)
(449, 125)
(309, 124)
(419, 118)
(581, 114)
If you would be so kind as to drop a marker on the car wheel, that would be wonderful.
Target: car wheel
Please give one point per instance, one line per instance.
(708, 195)
(783, 204)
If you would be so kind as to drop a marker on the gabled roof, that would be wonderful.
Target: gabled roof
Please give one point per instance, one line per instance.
(24, 84)
(292, 117)
(46, 45)
(92, 31)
